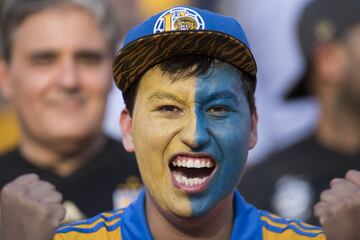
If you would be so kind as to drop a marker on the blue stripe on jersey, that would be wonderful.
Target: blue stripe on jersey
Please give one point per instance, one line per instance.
(91, 230)
(292, 227)
(288, 221)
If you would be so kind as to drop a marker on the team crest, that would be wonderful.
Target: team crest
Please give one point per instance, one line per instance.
(179, 19)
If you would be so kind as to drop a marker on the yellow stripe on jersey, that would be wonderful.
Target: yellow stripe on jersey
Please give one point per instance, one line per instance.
(276, 228)
(105, 226)
(101, 234)
(109, 218)
(281, 223)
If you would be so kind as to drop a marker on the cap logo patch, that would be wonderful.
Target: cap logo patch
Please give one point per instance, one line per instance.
(179, 19)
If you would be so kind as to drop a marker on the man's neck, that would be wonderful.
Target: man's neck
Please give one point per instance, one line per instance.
(339, 129)
(64, 159)
(217, 224)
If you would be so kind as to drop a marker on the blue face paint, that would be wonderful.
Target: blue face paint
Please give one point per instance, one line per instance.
(222, 130)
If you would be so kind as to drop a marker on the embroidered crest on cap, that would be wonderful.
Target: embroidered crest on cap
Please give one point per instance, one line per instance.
(179, 19)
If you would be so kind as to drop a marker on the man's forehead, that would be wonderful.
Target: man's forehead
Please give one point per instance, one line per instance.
(53, 36)
(217, 69)
(220, 81)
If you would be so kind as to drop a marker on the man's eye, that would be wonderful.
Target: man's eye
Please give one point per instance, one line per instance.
(169, 108)
(90, 58)
(218, 110)
(43, 59)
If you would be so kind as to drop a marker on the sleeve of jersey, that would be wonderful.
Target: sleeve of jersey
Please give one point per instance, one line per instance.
(105, 226)
(58, 237)
(277, 228)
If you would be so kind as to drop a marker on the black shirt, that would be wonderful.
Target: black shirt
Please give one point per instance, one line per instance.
(289, 182)
(91, 187)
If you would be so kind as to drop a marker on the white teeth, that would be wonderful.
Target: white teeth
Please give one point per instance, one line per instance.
(197, 163)
(192, 163)
(191, 182)
(179, 178)
(196, 181)
(176, 163)
(189, 163)
(187, 181)
(184, 163)
(183, 179)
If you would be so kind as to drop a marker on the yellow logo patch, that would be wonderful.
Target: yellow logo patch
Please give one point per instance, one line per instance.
(179, 19)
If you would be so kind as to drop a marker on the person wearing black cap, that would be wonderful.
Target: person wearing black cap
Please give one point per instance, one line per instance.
(188, 79)
(293, 178)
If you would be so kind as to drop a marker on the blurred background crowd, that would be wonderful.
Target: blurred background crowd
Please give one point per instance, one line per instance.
(302, 129)
(272, 35)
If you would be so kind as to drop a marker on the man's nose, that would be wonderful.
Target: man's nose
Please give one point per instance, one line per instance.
(68, 75)
(194, 133)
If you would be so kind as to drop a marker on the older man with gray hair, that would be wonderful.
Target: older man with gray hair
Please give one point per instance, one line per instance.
(56, 68)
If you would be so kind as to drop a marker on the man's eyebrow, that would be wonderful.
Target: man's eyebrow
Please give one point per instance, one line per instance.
(165, 95)
(90, 53)
(41, 54)
(222, 95)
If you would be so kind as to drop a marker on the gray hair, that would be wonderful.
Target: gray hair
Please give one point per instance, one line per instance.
(14, 12)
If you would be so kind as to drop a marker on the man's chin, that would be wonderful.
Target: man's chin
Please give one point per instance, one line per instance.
(172, 205)
(181, 213)
(71, 142)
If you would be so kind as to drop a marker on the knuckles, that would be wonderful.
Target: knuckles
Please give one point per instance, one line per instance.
(21, 193)
(325, 194)
(334, 202)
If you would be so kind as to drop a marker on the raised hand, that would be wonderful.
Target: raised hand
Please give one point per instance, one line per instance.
(339, 208)
(30, 209)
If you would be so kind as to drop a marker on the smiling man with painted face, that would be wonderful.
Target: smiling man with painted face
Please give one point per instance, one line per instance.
(191, 133)
(188, 80)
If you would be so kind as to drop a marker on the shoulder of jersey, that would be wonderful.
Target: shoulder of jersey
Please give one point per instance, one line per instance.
(277, 228)
(105, 226)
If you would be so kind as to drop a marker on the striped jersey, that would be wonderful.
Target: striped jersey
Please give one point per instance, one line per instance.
(130, 224)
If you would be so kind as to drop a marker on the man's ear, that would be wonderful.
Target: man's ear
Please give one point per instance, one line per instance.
(253, 133)
(5, 85)
(126, 128)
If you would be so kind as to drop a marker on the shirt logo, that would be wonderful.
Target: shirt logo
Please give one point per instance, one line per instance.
(179, 19)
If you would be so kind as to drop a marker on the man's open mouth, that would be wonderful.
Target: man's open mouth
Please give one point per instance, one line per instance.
(191, 173)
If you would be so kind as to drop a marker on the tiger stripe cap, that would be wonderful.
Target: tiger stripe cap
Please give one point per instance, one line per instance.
(177, 31)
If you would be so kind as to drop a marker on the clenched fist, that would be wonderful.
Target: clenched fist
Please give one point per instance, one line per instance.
(339, 208)
(30, 209)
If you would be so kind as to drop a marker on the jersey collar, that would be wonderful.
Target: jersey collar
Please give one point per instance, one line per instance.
(247, 224)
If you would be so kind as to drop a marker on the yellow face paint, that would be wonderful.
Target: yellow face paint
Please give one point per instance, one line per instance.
(191, 137)
(157, 129)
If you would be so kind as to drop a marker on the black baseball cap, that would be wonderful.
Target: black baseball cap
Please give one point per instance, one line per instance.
(322, 21)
